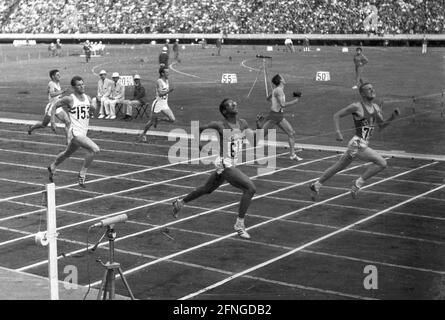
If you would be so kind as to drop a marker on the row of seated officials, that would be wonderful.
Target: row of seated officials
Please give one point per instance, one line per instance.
(111, 96)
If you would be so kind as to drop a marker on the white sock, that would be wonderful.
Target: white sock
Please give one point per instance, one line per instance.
(240, 221)
(83, 172)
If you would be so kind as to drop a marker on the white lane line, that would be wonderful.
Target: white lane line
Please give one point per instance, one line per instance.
(251, 227)
(320, 239)
(167, 224)
(325, 148)
(113, 177)
(126, 164)
(283, 247)
(183, 73)
(135, 188)
(367, 191)
(52, 135)
(102, 150)
(266, 217)
(117, 193)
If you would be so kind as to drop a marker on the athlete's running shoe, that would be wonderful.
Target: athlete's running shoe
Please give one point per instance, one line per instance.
(354, 190)
(241, 229)
(178, 204)
(51, 174)
(81, 180)
(142, 138)
(295, 157)
(315, 190)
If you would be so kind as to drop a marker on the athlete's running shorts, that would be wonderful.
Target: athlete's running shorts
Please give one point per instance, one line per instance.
(159, 105)
(355, 145)
(274, 116)
(223, 163)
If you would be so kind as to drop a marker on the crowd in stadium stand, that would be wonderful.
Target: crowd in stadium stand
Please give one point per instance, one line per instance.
(215, 16)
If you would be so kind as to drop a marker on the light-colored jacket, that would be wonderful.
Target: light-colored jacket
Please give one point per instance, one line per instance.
(104, 87)
(117, 91)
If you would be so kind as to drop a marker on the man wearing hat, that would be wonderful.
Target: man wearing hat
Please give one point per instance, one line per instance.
(103, 92)
(163, 57)
(138, 100)
(116, 96)
(87, 48)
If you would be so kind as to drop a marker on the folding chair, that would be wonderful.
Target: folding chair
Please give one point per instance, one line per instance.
(142, 109)
(118, 108)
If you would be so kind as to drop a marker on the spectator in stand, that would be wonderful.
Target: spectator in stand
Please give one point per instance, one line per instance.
(139, 98)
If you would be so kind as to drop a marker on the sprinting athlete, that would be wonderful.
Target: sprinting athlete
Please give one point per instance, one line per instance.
(78, 105)
(55, 92)
(160, 104)
(276, 114)
(366, 115)
(232, 133)
(359, 61)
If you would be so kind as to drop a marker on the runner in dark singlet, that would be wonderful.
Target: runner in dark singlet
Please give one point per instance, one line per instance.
(232, 133)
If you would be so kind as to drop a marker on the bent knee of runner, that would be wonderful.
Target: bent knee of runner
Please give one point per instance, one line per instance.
(382, 164)
(251, 189)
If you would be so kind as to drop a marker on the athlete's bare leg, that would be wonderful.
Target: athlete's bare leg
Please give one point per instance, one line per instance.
(170, 116)
(340, 165)
(287, 128)
(43, 124)
(379, 164)
(239, 180)
(92, 150)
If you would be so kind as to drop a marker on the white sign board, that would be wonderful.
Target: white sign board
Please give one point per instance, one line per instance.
(345, 49)
(269, 48)
(323, 76)
(127, 80)
(229, 78)
(18, 43)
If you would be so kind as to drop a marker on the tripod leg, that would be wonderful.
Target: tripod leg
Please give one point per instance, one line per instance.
(112, 284)
(102, 285)
(125, 283)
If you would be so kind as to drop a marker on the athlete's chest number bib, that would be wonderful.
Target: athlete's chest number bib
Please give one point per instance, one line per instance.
(235, 146)
(81, 112)
(367, 132)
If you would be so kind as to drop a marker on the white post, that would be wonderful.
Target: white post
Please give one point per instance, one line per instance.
(51, 233)
(265, 77)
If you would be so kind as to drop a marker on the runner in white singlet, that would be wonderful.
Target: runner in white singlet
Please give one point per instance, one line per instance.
(78, 106)
(55, 92)
(160, 104)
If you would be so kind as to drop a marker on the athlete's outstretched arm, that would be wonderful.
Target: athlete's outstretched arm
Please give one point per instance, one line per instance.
(251, 136)
(352, 108)
(62, 102)
(384, 123)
